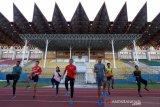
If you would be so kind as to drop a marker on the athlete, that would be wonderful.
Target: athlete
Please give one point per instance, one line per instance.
(99, 69)
(56, 79)
(109, 76)
(70, 76)
(139, 79)
(36, 71)
(15, 77)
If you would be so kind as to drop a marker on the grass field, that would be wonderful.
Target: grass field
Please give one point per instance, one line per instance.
(42, 84)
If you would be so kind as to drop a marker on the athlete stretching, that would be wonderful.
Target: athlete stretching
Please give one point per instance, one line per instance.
(71, 72)
(99, 69)
(15, 77)
(36, 71)
(109, 76)
(139, 79)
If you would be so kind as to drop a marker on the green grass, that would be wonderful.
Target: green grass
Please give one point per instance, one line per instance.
(42, 84)
(153, 85)
(23, 84)
(150, 63)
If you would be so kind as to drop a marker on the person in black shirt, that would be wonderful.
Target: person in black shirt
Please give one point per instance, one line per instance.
(139, 79)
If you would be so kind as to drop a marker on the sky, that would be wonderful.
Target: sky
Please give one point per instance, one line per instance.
(68, 8)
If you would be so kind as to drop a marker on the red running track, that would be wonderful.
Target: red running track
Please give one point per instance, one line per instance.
(84, 97)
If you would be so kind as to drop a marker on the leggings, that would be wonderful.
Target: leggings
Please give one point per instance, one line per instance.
(15, 79)
(56, 83)
(71, 84)
(139, 81)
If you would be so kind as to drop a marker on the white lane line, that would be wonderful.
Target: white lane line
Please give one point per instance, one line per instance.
(84, 89)
(40, 91)
(80, 96)
(46, 101)
(151, 103)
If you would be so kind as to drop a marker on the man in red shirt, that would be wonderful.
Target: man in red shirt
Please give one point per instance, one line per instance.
(71, 72)
(36, 71)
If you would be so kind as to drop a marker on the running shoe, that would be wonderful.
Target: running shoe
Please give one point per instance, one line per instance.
(13, 97)
(112, 87)
(6, 85)
(146, 89)
(67, 93)
(99, 102)
(71, 101)
(104, 94)
(28, 86)
(34, 97)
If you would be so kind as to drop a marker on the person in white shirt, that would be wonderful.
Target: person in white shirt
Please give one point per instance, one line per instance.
(56, 79)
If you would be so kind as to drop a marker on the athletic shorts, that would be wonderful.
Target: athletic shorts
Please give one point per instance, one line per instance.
(54, 81)
(100, 80)
(35, 78)
(14, 77)
(109, 78)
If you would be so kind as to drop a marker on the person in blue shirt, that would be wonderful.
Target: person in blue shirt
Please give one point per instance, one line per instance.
(14, 76)
(99, 69)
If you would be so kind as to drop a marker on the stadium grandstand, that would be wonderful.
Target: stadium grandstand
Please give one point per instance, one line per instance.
(121, 42)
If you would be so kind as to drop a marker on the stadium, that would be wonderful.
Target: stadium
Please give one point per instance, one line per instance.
(122, 43)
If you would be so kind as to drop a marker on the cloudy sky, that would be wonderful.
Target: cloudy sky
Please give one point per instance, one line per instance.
(68, 8)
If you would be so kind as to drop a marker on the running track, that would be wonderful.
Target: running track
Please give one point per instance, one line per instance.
(84, 97)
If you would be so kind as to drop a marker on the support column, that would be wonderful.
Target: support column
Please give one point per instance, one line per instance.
(56, 56)
(89, 54)
(114, 62)
(42, 55)
(45, 56)
(24, 52)
(1, 53)
(29, 54)
(118, 56)
(134, 43)
(14, 54)
(70, 53)
(132, 54)
(148, 55)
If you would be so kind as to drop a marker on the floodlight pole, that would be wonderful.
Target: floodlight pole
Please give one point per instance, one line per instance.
(24, 52)
(134, 43)
(45, 56)
(113, 53)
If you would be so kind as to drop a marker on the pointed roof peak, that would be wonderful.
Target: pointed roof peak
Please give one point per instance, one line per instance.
(103, 10)
(104, 4)
(57, 13)
(125, 3)
(80, 11)
(79, 3)
(14, 5)
(56, 5)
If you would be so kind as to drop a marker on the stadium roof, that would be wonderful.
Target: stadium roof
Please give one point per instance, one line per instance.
(80, 41)
(80, 24)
